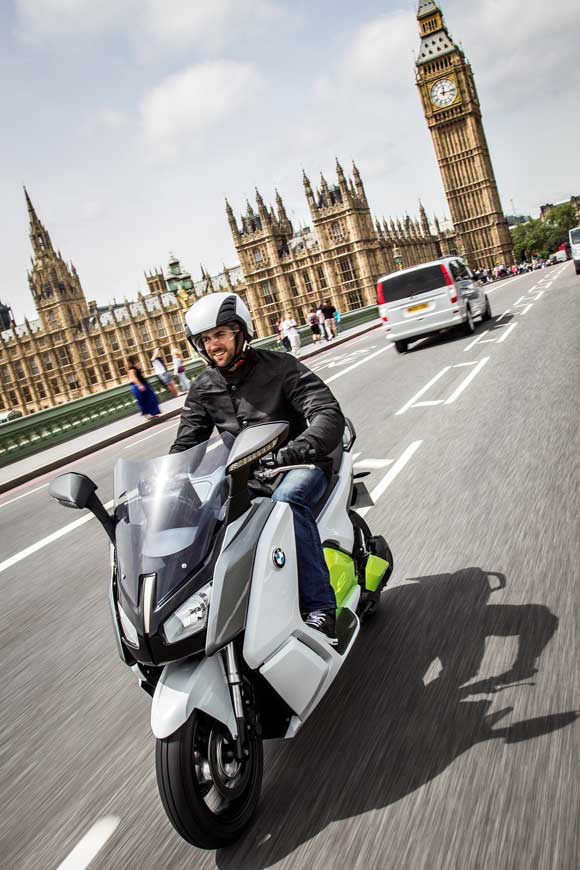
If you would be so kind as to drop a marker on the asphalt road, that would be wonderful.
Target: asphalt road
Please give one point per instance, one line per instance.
(450, 739)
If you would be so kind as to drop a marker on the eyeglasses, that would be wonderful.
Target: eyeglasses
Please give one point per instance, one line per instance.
(220, 335)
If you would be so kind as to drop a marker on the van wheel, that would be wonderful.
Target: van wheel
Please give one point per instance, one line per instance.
(487, 311)
(401, 346)
(468, 325)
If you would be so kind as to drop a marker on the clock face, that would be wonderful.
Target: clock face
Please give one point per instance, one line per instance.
(443, 93)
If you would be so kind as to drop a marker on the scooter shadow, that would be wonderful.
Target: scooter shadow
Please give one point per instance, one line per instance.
(381, 733)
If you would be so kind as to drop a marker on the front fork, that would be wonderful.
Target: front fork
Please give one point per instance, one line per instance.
(234, 679)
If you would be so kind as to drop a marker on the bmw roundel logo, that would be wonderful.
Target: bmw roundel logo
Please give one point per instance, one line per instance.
(279, 557)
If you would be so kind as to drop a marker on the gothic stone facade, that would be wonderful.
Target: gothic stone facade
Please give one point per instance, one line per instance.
(75, 348)
(451, 105)
(339, 257)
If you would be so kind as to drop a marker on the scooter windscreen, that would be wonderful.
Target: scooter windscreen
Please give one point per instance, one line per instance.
(167, 509)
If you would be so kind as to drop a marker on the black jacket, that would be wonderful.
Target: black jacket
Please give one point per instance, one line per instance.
(269, 386)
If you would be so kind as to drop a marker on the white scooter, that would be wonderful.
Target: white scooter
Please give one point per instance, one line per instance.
(204, 597)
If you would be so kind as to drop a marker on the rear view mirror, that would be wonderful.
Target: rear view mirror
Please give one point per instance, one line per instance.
(75, 490)
(72, 490)
(255, 442)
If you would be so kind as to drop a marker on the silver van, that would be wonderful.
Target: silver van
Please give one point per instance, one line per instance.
(428, 298)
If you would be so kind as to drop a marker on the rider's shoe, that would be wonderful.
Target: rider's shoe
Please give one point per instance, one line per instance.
(325, 622)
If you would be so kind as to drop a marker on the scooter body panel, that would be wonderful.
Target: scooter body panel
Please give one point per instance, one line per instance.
(333, 522)
(273, 609)
(189, 685)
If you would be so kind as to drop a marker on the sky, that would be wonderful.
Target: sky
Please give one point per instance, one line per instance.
(130, 121)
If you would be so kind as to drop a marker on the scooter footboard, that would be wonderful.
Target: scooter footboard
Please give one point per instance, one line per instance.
(185, 686)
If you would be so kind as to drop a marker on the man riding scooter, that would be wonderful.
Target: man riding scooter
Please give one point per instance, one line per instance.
(244, 386)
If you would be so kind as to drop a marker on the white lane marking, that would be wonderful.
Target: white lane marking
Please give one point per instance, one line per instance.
(391, 475)
(422, 391)
(24, 494)
(355, 456)
(428, 403)
(48, 540)
(506, 312)
(475, 340)
(539, 295)
(357, 364)
(464, 383)
(511, 327)
(526, 309)
(518, 301)
(90, 845)
(373, 463)
(152, 435)
(503, 283)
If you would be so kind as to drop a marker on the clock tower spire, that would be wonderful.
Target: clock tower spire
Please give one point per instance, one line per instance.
(453, 113)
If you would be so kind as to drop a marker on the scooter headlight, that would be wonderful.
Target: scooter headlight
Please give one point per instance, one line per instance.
(129, 629)
(190, 617)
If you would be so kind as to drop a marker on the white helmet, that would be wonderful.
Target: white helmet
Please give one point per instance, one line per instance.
(217, 309)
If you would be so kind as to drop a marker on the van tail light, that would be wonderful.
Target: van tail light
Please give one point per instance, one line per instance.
(380, 294)
(449, 282)
(385, 318)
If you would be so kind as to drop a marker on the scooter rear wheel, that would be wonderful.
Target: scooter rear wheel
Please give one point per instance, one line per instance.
(208, 795)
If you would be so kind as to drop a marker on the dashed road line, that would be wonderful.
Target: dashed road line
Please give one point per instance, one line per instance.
(391, 474)
(373, 463)
(357, 364)
(475, 341)
(24, 494)
(526, 309)
(44, 542)
(152, 435)
(510, 328)
(423, 390)
(91, 844)
(465, 383)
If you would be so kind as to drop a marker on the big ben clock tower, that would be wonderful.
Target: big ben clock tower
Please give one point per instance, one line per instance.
(451, 105)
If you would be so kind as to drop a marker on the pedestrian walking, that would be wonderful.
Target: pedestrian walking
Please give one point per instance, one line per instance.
(290, 331)
(142, 391)
(312, 321)
(162, 373)
(179, 369)
(337, 320)
(328, 311)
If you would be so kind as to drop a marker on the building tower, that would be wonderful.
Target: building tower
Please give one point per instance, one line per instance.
(55, 286)
(451, 105)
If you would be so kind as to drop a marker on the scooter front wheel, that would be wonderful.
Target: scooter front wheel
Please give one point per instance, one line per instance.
(208, 794)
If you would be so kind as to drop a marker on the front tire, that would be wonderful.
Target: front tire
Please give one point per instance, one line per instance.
(486, 311)
(209, 796)
(469, 324)
(401, 345)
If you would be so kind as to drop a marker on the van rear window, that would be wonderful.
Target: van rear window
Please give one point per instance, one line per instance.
(410, 283)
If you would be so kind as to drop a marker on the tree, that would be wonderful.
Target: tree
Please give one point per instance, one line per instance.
(544, 237)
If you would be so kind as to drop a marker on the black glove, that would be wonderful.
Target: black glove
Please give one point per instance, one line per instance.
(295, 453)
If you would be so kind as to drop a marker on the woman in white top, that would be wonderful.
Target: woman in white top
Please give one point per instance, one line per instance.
(289, 329)
(162, 373)
(179, 369)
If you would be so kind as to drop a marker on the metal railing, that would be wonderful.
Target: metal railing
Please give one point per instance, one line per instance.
(35, 432)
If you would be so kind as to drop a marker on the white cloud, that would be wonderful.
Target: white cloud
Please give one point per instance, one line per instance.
(186, 22)
(183, 107)
(149, 24)
(40, 19)
(380, 52)
(520, 54)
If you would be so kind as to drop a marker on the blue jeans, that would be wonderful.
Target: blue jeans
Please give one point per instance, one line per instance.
(302, 489)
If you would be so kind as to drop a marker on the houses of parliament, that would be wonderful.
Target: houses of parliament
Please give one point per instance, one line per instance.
(75, 347)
